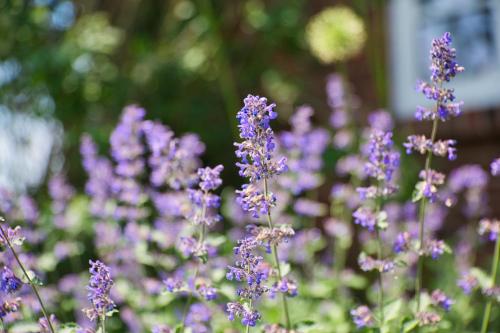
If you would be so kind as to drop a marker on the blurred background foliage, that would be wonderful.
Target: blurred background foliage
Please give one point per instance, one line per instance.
(188, 63)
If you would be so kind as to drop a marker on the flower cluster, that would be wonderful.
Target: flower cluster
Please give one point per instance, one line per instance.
(428, 187)
(467, 282)
(203, 200)
(367, 263)
(99, 288)
(256, 151)
(428, 318)
(9, 283)
(438, 298)
(495, 167)
(423, 145)
(472, 180)
(434, 248)
(248, 269)
(304, 147)
(363, 317)
(271, 236)
(489, 227)
(443, 69)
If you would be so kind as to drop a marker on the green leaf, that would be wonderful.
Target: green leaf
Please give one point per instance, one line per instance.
(418, 192)
(410, 326)
(392, 310)
(382, 220)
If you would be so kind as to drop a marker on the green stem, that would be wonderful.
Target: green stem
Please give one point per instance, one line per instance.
(380, 282)
(201, 240)
(103, 324)
(378, 207)
(277, 262)
(25, 273)
(421, 218)
(247, 328)
(494, 270)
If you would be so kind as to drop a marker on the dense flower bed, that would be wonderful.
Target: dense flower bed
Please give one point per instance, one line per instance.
(167, 254)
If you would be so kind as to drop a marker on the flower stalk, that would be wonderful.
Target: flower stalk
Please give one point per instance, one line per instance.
(421, 221)
(493, 277)
(277, 262)
(28, 278)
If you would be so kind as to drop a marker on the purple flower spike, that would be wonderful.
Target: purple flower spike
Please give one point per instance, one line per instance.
(9, 283)
(363, 317)
(495, 167)
(467, 283)
(99, 288)
(439, 298)
(256, 151)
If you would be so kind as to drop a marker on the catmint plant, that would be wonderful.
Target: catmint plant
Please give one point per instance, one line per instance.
(443, 68)
(99, 288)
(382, 163)
(258, 164)
(491, 229)
(10, 238)
(203, 215)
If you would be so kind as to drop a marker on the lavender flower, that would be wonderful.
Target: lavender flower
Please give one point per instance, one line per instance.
(198, 318)
(285, 286)
(248, 316)
(439, 298)
(435, 248)
(382, 161)
(381, 120)
(426, 318)
(366, 218)
(402, 242)
(490, 228)
(310, 208)
(202, 200)
(495, 167)
(256, 150)
(99, 288)
(472, 180)
(422, 145)
(467, 283)
(351, 165)
(9, 283)
(100, 176)
(304, 146)
(367, 263)
(45, 327)
(443, 68)
(363, 317)
(428, 187)
(8, 306)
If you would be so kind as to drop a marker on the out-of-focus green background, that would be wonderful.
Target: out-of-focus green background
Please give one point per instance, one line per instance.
(189, 63)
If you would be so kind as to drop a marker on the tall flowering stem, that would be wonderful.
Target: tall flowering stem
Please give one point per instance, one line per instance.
(381, 166)
(443, 69)
(276, 259)
(493, 277)
(7, 240)
(202, 214)
(493, 229)
(259, 166)
(99, 289)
